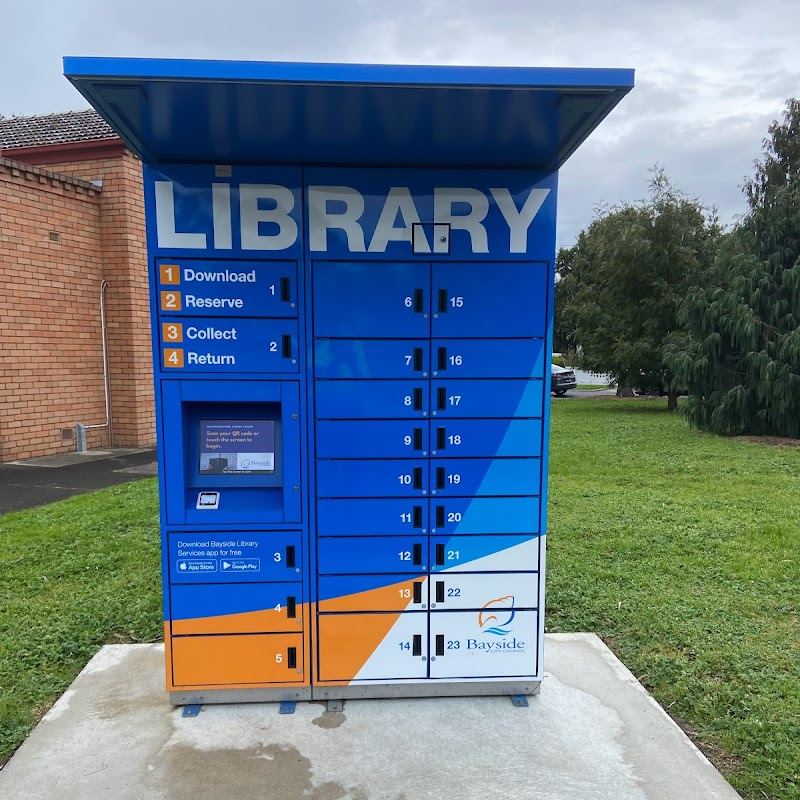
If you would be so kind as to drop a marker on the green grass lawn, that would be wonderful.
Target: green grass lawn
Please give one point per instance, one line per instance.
(681, 550)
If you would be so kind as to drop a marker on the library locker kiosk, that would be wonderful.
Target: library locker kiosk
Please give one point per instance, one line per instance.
(351, 286)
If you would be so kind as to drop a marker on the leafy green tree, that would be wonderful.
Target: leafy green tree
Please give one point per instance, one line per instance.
(622, 283)
(741, 359)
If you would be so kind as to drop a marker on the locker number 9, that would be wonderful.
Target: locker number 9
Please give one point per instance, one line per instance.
(407, 441)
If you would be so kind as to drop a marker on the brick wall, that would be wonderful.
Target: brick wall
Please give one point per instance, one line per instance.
(51, 367)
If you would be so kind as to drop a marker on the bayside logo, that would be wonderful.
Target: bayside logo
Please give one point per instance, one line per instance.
(497, 615)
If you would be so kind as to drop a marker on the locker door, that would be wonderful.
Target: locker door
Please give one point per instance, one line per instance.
(484, 553)
(495, 300)
(372, 517)
(376, 478)
(371, 358)
(485, 515)
(366, 300)
(494, 642)
(487, 398)
(475, 438)
(381, 554)
(486, 477)
(372, 438)
(350, 593)
(462, 590)
(488, 358)
(370, 399)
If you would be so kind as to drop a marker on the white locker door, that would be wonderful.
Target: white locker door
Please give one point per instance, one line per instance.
(503, 590)
(477, 644)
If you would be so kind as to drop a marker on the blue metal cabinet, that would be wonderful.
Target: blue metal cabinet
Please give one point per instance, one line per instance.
(487, 358)
(370, 399)
(371, 439)
(363, 300)
(485, 515)
(486, 477)
(475, 438)
(371, 358)
(501, 300)
(215, 345)
(489, 398)
(384, 554)
(483, 553)
(376, 478)
(214, 557)
(371, 517)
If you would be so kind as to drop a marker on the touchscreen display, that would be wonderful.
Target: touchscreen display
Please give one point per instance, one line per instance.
(237, 447)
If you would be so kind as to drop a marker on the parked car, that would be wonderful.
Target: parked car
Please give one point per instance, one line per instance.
(562, 379)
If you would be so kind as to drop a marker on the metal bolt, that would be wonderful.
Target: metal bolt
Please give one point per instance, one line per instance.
(294, 416)
(297, 488)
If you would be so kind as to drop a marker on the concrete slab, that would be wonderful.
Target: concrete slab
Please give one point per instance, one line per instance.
(68, 459)
(592, 734)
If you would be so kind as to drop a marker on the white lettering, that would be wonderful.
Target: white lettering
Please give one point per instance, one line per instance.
(165, 221)
(519, 221)
(209, 358)
(213, 302)
(221, 214)
(190, 274)
(209, 333)
(472, 222)
(320, 219)
(399, 200)
(252, 215)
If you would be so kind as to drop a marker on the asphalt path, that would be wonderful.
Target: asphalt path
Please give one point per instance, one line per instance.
(27, 486)
(576, 394)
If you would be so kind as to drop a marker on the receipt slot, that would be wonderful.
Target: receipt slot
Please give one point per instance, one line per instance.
(351, 292)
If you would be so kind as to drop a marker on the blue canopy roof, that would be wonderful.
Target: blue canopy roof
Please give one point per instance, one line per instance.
(348, 114)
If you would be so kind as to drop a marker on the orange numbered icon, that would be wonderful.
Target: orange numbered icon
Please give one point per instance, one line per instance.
(170, 301)
(169, 273)
(172, 331)
(173, 357)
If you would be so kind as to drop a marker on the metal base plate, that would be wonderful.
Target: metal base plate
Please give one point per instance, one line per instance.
(432, 689)
(213, 696)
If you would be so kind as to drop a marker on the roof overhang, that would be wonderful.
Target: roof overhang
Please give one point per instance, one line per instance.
(348, 114)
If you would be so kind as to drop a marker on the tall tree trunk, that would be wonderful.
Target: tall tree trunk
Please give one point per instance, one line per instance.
(672, 401)
(624, 391)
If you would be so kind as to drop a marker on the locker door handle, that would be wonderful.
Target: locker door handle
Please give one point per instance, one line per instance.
(416, 645)
(442, 301)
(285, 290)
(439, 555)
(442, 359)
(290, 555)
(418, 438)
(291, 658)
(441, 438)
(417, 472)
(419, 301)
(417, 399)
(439, 644)
(291, 607)
(417, 359)
(417, 517)
(440, 516)
(286, 345)
(416, 557)
(440, 477)
(440, 591)
(417, 592)
(441, 398)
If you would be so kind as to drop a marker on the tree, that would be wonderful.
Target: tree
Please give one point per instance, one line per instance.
(741, 358)
(622, 283)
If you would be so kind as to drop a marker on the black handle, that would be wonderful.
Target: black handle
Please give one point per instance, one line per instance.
(419, 301)
(418, 438)
(291, 607)
(441, 438)
(417, 472)
(285, 290)
(440, 477)
(416, 645)
(441, 398)
(416, 558)
(442, 359)
(290, 555)
(417, 517)
(417, 399)
(286, 345)
(440, 516)
(417, 359)
(439, 555)
(440, 591)
(291, 657)
(439, 644)
(417, 591)
(442, 301)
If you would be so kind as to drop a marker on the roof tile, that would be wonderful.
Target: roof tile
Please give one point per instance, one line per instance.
(47, 129)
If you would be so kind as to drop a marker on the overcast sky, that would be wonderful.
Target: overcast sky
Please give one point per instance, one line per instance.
(710, 75)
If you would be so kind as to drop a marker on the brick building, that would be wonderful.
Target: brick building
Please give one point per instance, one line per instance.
(71, 230)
